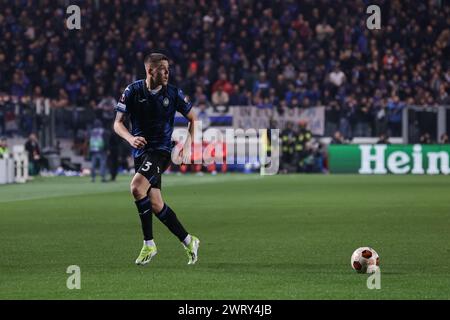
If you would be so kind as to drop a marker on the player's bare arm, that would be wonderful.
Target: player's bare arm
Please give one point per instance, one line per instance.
(186, 151)
(122, 131)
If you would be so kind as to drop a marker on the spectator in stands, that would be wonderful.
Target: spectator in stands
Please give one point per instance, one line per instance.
(380, 117)
(333, 117)
(426, 138)
(389, 60)
(73, 87)
(223, 84)
(294, 103)
(200, 96)
(105, 111)
(240, 97)
(443, 95)
(290, 93)
(337, 138)
(323, 30)
(262, 85)
(98, 149)
(383, 139)
(220, 98)
(347, 117)
(282, 107)
(10, 118)
(62, 100)
(363, 118)
(444, 139)
(395, 109)
(34, 154)
(20, 84)
(336, 77)
(3, 146)
(83, 98)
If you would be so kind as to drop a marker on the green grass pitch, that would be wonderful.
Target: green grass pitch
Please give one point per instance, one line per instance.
(273, 237)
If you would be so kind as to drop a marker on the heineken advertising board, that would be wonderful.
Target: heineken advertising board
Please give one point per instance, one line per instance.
(389, 159)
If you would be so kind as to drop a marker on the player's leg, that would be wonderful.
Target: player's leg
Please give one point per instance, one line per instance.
(168, 217)
(139, 186)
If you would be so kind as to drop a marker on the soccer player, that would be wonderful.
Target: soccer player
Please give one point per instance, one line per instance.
(151, 104)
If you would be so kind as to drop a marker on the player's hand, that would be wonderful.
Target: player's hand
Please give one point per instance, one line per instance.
(137, 142)
(186, 153)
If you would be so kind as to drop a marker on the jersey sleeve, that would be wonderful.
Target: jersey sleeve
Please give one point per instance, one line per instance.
(125, 101)
(183, 103)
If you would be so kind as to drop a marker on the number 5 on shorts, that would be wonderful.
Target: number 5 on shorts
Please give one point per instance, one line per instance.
(147, 166)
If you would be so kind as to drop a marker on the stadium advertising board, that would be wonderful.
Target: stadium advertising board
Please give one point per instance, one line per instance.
(389, 159)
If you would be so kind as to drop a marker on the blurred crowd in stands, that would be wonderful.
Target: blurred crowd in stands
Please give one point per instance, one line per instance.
(272, 54)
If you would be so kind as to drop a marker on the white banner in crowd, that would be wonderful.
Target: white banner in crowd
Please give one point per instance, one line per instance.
(258, 118)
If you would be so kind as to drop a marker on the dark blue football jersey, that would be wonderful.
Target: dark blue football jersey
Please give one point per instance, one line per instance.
(152, 114)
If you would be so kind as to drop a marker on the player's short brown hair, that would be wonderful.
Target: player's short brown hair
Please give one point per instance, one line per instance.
(153, 58)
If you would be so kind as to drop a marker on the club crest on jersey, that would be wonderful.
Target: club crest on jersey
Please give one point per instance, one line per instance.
(166, 102)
